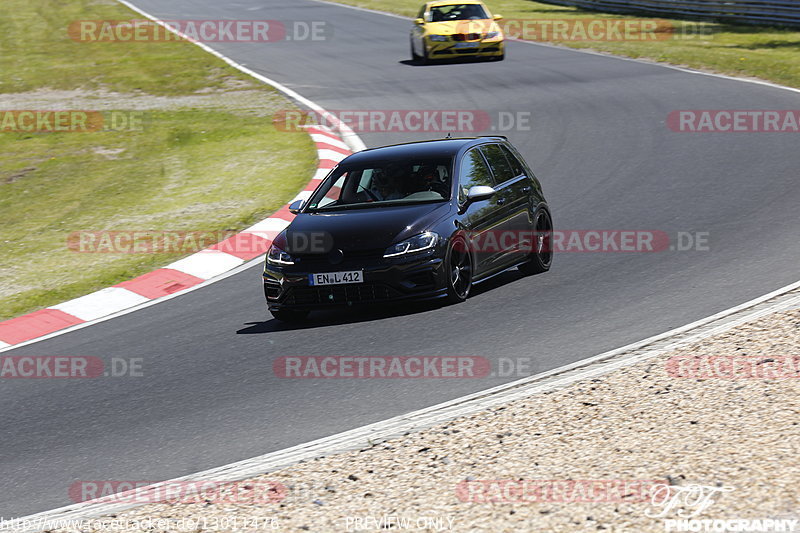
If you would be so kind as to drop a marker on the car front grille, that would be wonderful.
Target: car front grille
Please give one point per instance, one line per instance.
(487, 50)
(339, 294)
(466, 36)
(350, 260)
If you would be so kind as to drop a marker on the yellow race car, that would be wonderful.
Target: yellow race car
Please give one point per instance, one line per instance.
(445, 29)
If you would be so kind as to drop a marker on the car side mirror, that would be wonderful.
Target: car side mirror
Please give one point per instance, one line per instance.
(478, 193)
(296, 206)
(498, 17)
(419, 21)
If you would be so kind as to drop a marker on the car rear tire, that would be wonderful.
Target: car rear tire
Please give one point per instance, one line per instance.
(459, 270)
(541, 257)
(289, 315)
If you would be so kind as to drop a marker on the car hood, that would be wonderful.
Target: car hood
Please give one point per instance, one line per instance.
(461, 26)
(368, 229)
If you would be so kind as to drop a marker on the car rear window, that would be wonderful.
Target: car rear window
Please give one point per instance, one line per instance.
(501, 168)
(516, 166)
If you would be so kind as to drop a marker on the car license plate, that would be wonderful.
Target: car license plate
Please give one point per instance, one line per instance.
(467, 45)
(336, 278)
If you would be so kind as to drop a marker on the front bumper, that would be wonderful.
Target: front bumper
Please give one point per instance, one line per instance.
(288, 287)
(449, 49)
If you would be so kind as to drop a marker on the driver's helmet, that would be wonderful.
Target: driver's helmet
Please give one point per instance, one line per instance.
(471, 11)
(428, 174)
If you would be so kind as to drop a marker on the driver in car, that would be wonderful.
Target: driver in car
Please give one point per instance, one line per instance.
(388, 184)
(428, 179)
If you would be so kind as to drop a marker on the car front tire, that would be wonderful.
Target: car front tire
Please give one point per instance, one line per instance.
(423, 59)
(414, 57)
(459, 270)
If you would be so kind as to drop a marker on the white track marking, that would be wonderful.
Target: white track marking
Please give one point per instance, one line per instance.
(269, 225)
(321, 173)
(100, 303)
(330, 154)
(303, 195)
(206, 264)
(319, 138)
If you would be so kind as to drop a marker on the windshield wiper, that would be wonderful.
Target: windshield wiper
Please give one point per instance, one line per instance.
(370, 205)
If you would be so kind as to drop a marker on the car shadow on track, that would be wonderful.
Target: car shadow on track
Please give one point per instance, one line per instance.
(367, 313)
(454, 61)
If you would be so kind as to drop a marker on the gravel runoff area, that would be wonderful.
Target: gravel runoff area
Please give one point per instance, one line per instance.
(707, 432)
(235, 96)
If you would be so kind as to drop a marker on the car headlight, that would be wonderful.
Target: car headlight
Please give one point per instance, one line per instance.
(418, 243)
(276, 256)
(438, 38)
(493, 35)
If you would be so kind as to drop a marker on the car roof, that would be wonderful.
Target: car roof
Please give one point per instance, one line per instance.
(452, 2)
(419, 149)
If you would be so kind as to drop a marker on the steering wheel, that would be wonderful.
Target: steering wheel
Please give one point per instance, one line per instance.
(372, 196)
(439, 187)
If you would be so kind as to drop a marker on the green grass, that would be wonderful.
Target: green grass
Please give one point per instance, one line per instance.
(194, 168)
(763, 52)
(36, 51)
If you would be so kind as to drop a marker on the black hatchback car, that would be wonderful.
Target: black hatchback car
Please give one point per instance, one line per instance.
(411, 221)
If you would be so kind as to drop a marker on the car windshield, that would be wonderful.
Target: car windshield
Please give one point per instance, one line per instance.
(381, 183)
(458, 12)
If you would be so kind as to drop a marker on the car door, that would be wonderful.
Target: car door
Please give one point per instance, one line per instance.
(510, 184)
(483, 219)
(530, 188)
